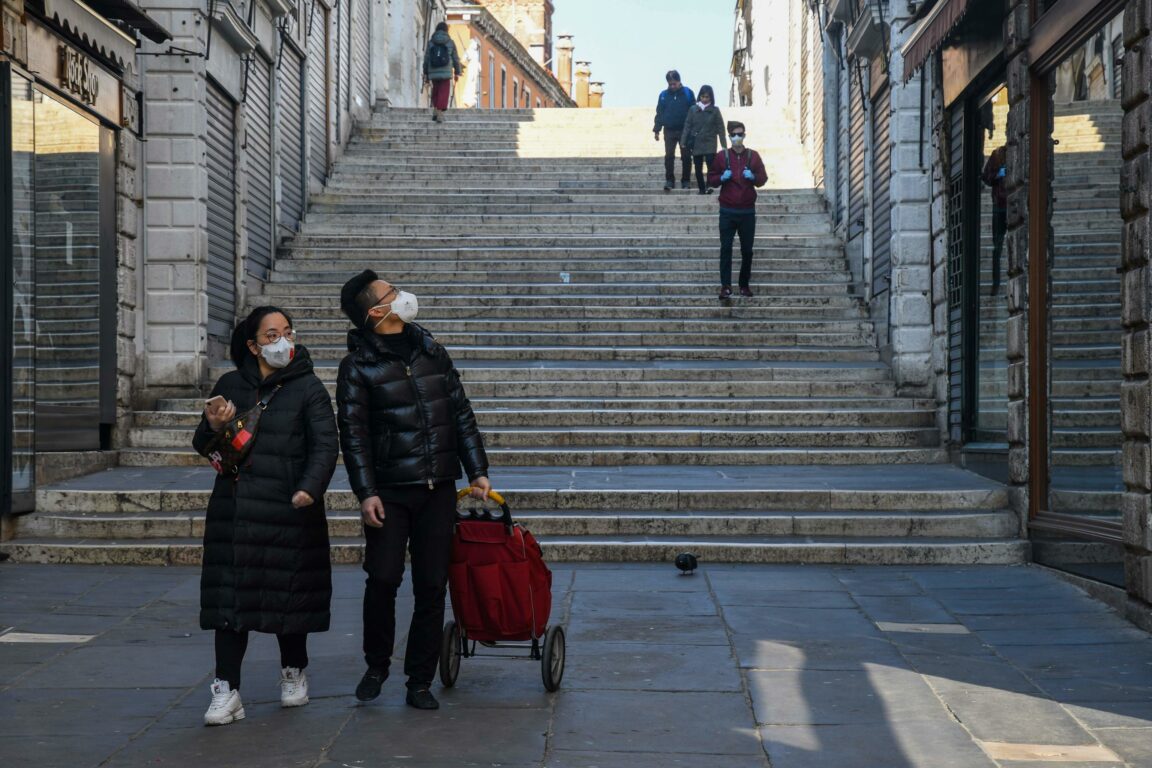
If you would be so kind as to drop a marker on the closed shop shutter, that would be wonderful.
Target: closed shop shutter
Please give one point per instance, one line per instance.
(261, 213)
(291, 137)
(881, 191)
(955, 224)
(318, 94)
(855, 154)
(842, 129)
(345, 10)
(362, 52)
(221, 213)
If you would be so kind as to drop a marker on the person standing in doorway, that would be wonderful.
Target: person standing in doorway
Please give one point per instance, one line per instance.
(406, 427)
(671, 112)
(737, 172)
(266, 565)
(441, 68)
(702, 129)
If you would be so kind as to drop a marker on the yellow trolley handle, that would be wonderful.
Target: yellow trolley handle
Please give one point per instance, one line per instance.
(494, 495)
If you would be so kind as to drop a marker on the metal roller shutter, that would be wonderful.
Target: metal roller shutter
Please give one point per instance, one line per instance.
(291, 137)
(345, 68)
(362, 52)
(318, 94)
(261, 214)
(842, 134)
(881, 191)
(856, 118)
(955, 224)
(221, 213)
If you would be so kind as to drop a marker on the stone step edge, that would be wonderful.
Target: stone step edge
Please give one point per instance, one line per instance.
(146, 501)
(598, 549)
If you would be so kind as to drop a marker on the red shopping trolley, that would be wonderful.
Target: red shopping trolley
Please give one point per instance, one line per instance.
(501, 593)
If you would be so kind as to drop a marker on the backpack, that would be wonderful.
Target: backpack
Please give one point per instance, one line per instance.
(439, 56)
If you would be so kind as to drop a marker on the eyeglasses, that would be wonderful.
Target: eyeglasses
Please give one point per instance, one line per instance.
(392, 290)
(274, 336)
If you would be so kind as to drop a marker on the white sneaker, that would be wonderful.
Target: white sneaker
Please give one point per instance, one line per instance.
(293, 687)
(226, 706)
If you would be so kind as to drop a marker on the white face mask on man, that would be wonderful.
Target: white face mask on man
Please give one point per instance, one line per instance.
(404, 306)
(279, 353)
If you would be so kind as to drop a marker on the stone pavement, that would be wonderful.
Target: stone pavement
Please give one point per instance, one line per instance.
(734, 667)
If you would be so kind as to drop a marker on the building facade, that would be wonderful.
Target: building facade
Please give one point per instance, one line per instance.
(70, 128)
(986, 165)
(152, 161)
(499, 70)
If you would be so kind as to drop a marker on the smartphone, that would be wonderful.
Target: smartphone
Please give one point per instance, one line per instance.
(216, 402)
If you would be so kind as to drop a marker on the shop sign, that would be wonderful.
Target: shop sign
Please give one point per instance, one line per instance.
(77, 76)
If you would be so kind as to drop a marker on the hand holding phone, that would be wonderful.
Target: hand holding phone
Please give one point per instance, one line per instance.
(219, 411)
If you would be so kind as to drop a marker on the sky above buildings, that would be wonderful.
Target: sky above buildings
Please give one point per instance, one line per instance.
(632, 43)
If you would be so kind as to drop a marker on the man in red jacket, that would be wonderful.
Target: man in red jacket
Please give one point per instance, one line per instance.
(737, 172)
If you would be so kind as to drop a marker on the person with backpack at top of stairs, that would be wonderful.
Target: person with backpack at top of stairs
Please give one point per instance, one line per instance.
(737, 172)
(441, 68)
(703, 127)
(671, 112)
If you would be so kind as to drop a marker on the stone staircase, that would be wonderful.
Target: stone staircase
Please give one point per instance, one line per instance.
(628, 413)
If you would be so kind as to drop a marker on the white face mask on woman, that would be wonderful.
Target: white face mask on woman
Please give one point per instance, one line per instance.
(404, 306)
(279, 353)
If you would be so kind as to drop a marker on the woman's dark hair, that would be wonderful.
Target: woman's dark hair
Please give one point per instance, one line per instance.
(706, 90)
(442, 26)
(245, 331)
(672, 76)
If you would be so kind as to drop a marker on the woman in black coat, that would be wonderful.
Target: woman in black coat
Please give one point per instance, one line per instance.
(266, 561)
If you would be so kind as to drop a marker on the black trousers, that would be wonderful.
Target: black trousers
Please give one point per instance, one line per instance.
(732, 224)
(231, 647)
(671, 141)
(701, 176)
(999, 228)
(419, 520)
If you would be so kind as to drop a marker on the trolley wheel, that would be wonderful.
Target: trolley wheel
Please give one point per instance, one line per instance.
(450, 648)
(552, 662)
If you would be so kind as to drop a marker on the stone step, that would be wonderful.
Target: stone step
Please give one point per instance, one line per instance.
(916, 524)
(805, 317)
(364, 257)
(186, 411)
(335, 324)
(319, 298)
(325, 345)
(886, 551)
(701, 274)
(614, 436)
(624, 456)
(829, 243)
(632, 292)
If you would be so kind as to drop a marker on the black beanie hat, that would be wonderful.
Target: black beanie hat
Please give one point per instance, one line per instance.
(351, 292)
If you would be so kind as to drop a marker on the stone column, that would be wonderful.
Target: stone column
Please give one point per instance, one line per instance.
(583, 73)
(564, 62)
(1016, 31)
(13, 35)
(596, 95)
(1136, 305)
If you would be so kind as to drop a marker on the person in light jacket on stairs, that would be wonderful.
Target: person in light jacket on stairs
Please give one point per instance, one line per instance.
(703, 128)
(441, 68)
(737, 172)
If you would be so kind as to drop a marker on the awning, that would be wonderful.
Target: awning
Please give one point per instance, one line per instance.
(133, 15)
(931, 32)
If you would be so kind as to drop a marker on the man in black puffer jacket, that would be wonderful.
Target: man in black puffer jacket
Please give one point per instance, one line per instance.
(406, 426)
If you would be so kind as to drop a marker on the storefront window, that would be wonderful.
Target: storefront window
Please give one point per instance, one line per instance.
(23, 273)
(989, 421)
(67, 275)
(1084, 319)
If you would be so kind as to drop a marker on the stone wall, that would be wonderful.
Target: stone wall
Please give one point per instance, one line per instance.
(1136, 298)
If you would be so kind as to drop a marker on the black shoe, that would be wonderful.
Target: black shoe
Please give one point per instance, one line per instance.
(725, 293)
(685, 185)
(668, 185)
(369, 687)
(421, 698)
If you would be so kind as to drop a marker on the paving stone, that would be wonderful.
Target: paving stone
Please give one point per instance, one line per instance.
(694, 603)
(871, 694)
(1004, 715)
(755, 652)
(1134, 745)
(114, 667)
(799, 623)
(681, 723)
(780, 598)
(901, 745)
(1112, 713)
(904, 608)
(687, 630)
(652, 667)
(579, 759)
